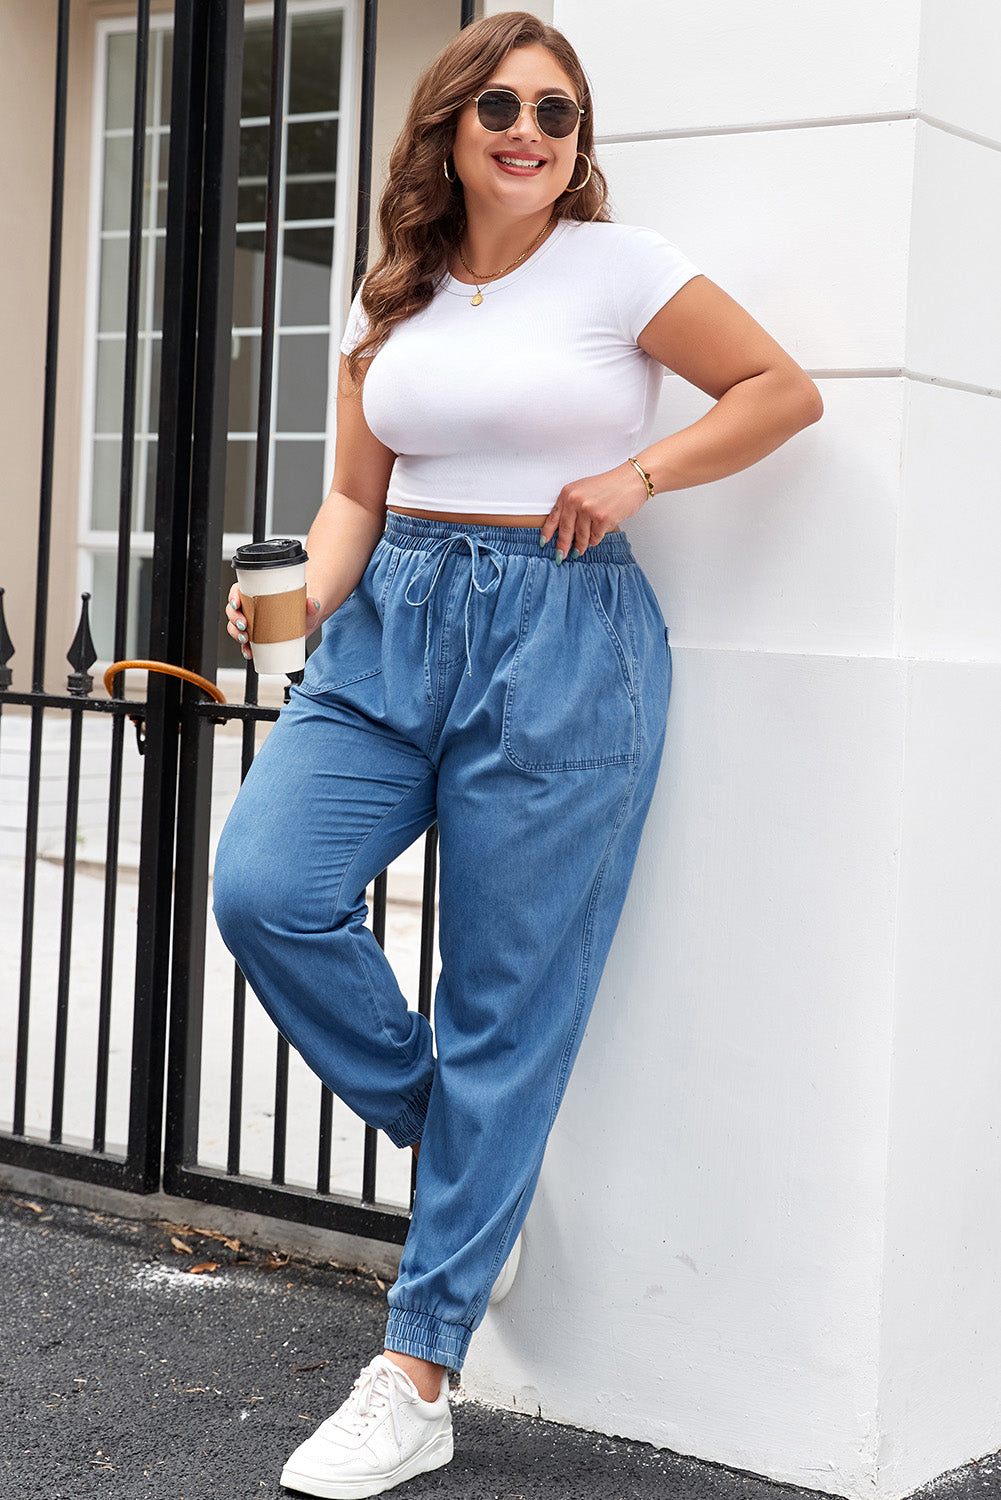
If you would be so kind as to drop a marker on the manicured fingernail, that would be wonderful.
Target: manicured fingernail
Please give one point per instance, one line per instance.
(542, 540)
(243, 635)
(559, 557)
(246, 651)
(316, 604)
(239, 623)
(230, 604)
(574, 553)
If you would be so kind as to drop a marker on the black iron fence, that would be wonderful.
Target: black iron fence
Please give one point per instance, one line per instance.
(177, 721)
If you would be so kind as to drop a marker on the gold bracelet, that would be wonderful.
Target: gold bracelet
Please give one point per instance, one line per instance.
(645, 478)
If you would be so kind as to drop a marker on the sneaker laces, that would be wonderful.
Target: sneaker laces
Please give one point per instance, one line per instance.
(380, 1382)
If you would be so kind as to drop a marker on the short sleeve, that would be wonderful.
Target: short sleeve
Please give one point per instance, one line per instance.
(357, 324)
(648, 272)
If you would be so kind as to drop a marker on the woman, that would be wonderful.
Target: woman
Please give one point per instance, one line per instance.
(493, 658)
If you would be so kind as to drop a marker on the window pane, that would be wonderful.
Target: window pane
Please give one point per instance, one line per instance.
(106, 481)
(302, 382)
(298, 486)
(118, 179)
(312, 147)
(238, 504)
(251, 202)
(315, 198)
(248, 279)
(306, 276)
(142, 589)
(315, 57)
(110, 385)
(244, 382)
(256, 98)
(106, 484)
(114, 283)
(121, 80)
(148, 519)
(114, 278)
(254, 152)
(153, 409)
(167, 44)
(157, 180)
(102, 605)
(154, 245)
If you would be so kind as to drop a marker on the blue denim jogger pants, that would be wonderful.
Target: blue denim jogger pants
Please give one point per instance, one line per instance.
(522, 703)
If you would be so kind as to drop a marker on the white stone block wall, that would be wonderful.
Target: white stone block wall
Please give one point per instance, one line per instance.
(766, 1227)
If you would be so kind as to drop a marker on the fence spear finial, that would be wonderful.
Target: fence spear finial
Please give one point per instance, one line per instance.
(6, 649)
(81, 655)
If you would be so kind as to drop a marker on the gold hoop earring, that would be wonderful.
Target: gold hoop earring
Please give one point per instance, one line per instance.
(587, 179)
(444, 168)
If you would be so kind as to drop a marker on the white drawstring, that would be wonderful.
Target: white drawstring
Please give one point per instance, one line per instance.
(438, 551)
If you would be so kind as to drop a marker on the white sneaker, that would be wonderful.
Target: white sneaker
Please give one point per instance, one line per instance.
(383, 1434)
(508, 1271)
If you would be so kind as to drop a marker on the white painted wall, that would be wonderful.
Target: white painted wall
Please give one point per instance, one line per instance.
(766, 1225)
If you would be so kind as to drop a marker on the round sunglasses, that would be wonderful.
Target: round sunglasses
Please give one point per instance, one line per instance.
(498, 109)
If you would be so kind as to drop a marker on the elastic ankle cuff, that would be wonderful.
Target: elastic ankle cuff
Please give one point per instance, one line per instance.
(408, 1127)
(427, 1337)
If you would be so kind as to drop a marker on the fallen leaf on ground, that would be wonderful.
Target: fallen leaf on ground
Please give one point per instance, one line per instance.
(180, 1246)
(36, 1208)
(203, 1265)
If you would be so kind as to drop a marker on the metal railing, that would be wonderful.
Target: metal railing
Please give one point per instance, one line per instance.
(178, 743)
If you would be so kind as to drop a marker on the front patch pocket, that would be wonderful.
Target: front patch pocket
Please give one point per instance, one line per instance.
(569, 703)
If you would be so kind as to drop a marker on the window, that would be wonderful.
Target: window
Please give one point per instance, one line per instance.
(314, 205)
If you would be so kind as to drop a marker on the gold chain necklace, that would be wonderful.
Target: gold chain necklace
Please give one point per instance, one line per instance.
(475, 301)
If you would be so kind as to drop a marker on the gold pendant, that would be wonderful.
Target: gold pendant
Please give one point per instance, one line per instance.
(477, 299)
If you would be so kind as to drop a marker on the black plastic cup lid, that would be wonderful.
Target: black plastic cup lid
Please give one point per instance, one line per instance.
(279, 552)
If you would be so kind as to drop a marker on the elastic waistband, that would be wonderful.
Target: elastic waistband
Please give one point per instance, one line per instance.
(414, 533)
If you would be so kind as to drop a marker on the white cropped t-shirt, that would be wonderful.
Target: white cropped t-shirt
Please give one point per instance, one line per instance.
(493, 409)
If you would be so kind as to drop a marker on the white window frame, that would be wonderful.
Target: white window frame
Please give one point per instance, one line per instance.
(91, 542)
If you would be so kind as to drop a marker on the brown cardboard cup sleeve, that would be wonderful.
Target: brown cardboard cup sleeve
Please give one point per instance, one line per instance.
(272, 618)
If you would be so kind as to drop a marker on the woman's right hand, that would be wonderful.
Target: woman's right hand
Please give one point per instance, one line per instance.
(236, 624)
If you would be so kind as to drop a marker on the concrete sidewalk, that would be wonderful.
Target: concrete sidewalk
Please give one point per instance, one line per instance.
(130, 1373)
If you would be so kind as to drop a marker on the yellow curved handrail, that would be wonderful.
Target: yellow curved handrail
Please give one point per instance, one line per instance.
(169, 670)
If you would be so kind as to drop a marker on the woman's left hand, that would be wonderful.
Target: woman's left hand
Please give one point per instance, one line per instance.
(588, 508)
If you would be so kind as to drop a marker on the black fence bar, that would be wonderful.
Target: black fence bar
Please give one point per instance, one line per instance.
(27, 917)
(468, 13)
(425, 981)
(326, 1140)
(167, 605)
(280, 1133)
(131, 336)
(238, 1031)
(370, 1156)
(428, 895)
(366, 129)
(66, 927)
(42, 573)
(224, 62)
(238, 1037)
(108, 931)
(262, 455)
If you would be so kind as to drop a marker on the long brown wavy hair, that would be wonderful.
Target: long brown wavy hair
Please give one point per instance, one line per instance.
(421, 214)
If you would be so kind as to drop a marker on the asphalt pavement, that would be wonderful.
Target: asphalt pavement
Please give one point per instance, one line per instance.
(146, 1360)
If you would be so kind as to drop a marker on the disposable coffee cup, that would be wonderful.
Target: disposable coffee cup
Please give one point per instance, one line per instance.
(272, 579)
